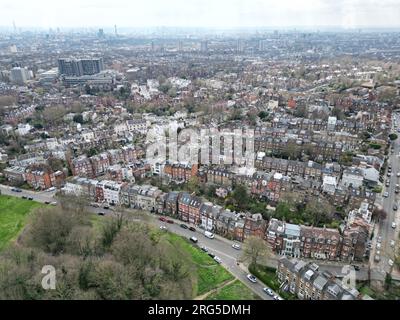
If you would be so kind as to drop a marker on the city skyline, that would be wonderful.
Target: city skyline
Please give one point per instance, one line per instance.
(346, 14)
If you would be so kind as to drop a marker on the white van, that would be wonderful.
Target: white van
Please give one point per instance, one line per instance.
(209, 234)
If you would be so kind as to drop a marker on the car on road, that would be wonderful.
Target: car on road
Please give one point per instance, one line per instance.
(377, 258)
(170, 221)
(392, 243)
(378, 245)
(212, 255)
(395, 207)
(162, 219)
(390, 262)
(386, 194)
(100, 213)
(30, 198)
(53, 203)
(192, 229)
(268, 291)
(236, 246)
(394, 225)
(106, 207)
(184, 226)
(16, 190)
(389, 174)
(218, 259)
(379, 239)
(251, 278)
(204, 249)
(398, 174)
(193, 239)
(209, 234)
(47, 202)
(387, 183)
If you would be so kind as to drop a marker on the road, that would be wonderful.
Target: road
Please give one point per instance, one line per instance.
(384, 227)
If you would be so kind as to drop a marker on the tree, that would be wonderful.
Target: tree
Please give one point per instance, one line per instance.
(193, 184)
(379, 214)
(392, 136)
(78, 118)
(291, 150)
(263, 115)
(255, 250)
(241, 196)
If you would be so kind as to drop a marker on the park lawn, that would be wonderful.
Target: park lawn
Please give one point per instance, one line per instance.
(14, 214)
(233, 291)
(209, 273)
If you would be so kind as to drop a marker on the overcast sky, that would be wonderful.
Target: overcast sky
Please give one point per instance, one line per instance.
(200, 13)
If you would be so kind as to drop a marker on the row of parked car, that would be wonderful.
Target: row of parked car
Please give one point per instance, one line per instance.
(267, 290)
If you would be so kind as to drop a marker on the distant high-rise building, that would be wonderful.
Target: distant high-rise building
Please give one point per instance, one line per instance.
(204, 46)
(100, 34)
(152, 46)
(115, 30)
(261, 45)
(19, 75)
(80, 67)
(240, 45)
(180, 46)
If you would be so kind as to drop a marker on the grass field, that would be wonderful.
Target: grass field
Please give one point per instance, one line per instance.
(13, 217)
(209, 273)
(234, 291)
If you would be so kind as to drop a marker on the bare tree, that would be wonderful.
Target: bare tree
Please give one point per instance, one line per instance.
(255, 250)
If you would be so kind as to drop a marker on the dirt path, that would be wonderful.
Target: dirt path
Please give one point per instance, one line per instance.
(203, 296)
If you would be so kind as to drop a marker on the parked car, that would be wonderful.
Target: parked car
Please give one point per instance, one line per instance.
(390, 262)
(53, 203)
(184, 226)
(164, 228)
(106, 207)
(218, 259)
(209, 234)
(193, 239)
(212, 255)
(30, 198)
(394, 225)
(204, 249)
(395, 207)
(392, 243)
(47, 202)
(192, 229)
(379, 239)
(356, 267)
(236, 246)
(386, 194)
(24, 197)
(170, 221)
(378, 245)
(16, 190)
(268, 291)
(277, 297)
(377, 258)
(100, 213)
(252, 278)
(162, 219)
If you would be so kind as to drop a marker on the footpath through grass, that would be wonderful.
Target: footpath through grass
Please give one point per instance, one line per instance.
(209, 273)
(14, 214)
(233, 291)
